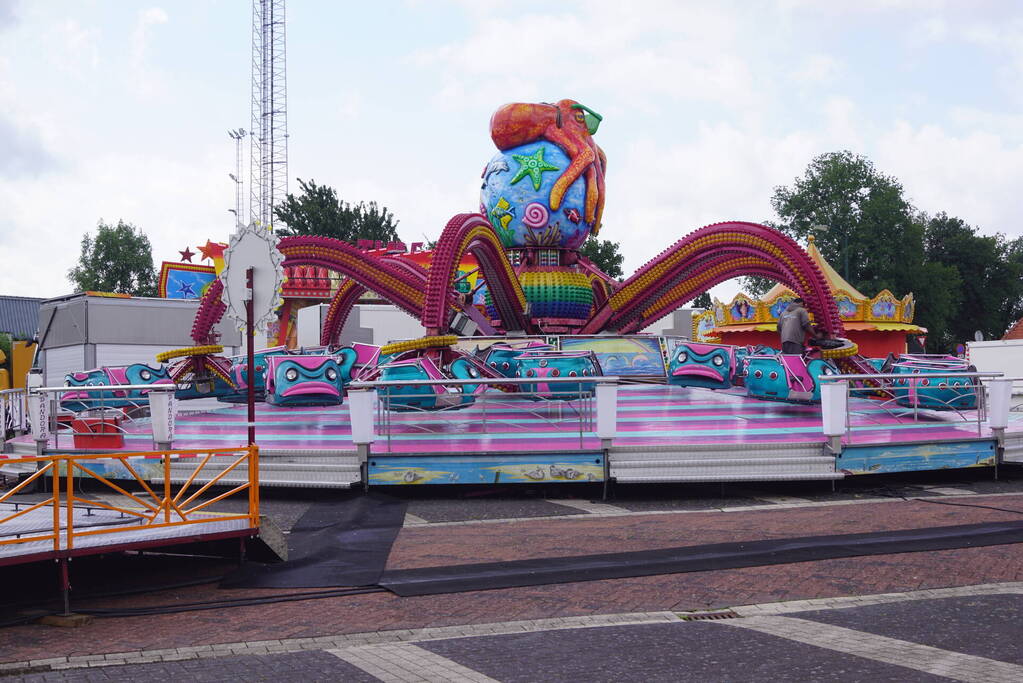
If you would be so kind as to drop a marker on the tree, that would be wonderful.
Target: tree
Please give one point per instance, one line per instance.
(119, 259)
(703, 301)
(988, 273)
(862, 223)
(604, 254)
(867, 229)
(319, 211)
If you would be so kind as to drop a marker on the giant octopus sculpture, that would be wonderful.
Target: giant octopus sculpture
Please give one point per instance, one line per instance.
(542, 195)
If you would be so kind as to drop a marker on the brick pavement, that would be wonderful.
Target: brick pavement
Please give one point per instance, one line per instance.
(423, 545)
(658, 646)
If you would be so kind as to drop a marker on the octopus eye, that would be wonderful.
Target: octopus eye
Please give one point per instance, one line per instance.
(758, 374)
(331, 374)
(529, 373)
(493, 364)
(573, 373)
(925, 382)
(555, 372)
(291, 374)
(681, 357)
(943, 386)
(146, 375)
(505, 365)
(773, 375)
(543, 362)
(718, 361)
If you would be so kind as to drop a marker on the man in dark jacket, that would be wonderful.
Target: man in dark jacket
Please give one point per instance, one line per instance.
(793, 326)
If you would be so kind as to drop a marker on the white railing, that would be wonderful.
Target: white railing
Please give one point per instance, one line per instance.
(593, 410)
(836, 390)
(13, 413)
(48, 419)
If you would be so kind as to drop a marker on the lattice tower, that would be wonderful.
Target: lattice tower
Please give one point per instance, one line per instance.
(268, 181)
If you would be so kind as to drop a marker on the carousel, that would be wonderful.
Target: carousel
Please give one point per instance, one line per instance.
(879, 325)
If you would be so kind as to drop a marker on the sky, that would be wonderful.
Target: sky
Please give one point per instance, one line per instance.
(119, 110)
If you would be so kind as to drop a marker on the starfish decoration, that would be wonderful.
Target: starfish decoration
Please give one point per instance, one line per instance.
(211, 250)
(532, 165)
(187, 254)
(186, 291)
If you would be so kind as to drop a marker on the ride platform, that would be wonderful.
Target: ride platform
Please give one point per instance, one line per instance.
(664, 433)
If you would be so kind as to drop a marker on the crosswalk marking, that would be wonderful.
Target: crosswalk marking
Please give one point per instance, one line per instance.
(955, 665)
(408, 663)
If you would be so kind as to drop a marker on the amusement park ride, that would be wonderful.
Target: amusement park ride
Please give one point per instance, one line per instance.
(542, 195)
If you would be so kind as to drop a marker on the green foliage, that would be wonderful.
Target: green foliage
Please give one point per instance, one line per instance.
(604, 254)
(962, 281)
(988, 270)
(6, 344)
(319, 211)
(118, 259)
(703, 301)
(866, 221)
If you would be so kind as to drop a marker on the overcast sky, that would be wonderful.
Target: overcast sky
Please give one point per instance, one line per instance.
(119, 110)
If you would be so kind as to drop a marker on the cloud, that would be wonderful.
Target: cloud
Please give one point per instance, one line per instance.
(974, 176)
(77, 48)
(817, 69)
(145, 78)
(8, 13)
(21, 152)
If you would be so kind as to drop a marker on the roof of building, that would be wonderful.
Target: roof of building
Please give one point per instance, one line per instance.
(1016, 331)
(19, 316)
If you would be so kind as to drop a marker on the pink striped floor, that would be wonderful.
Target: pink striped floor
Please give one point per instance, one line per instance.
(647, 415)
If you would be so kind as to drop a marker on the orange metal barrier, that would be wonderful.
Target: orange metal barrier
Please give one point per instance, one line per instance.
(168, 505)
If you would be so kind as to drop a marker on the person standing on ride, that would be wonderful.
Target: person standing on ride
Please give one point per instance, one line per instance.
(793, 326)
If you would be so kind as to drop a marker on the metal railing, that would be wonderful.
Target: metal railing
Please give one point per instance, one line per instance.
(883, 383)
(575, 407)
(155, 503)
(108, 413)
(13, 413)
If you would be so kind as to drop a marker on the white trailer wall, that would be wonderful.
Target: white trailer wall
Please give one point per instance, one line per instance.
(998, 356)
(367, 323)
(58, 362)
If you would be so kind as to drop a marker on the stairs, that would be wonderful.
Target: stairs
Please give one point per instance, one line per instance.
(1013, 451)
(294, 467)
(718, 463)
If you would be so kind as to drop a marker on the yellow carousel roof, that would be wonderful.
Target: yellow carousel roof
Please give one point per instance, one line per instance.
(882, 313)
(835, 281)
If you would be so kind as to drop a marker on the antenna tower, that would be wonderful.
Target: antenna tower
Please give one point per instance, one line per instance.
(237, 136)
(268, 179)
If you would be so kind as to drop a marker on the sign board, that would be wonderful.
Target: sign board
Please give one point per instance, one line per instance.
(253, 246)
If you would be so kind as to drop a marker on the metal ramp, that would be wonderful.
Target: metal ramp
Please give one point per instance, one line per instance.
(289, 467)
(1013, 449)
(721, 463)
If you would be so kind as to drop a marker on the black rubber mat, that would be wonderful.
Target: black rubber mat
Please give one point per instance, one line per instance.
(470, 577)
(332, 544)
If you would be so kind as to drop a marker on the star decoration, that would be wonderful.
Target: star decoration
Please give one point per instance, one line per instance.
(187, 254)
(532, 165)
(212, 250)
(186, 291)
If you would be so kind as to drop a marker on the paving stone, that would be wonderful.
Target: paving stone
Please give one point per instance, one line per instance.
(305, 666)
(984, 625)
(696, 651)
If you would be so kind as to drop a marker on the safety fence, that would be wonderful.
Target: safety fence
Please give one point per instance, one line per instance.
(13, 413)
(98, 417)
(977, 397)
(384, 409)
(127, 492)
